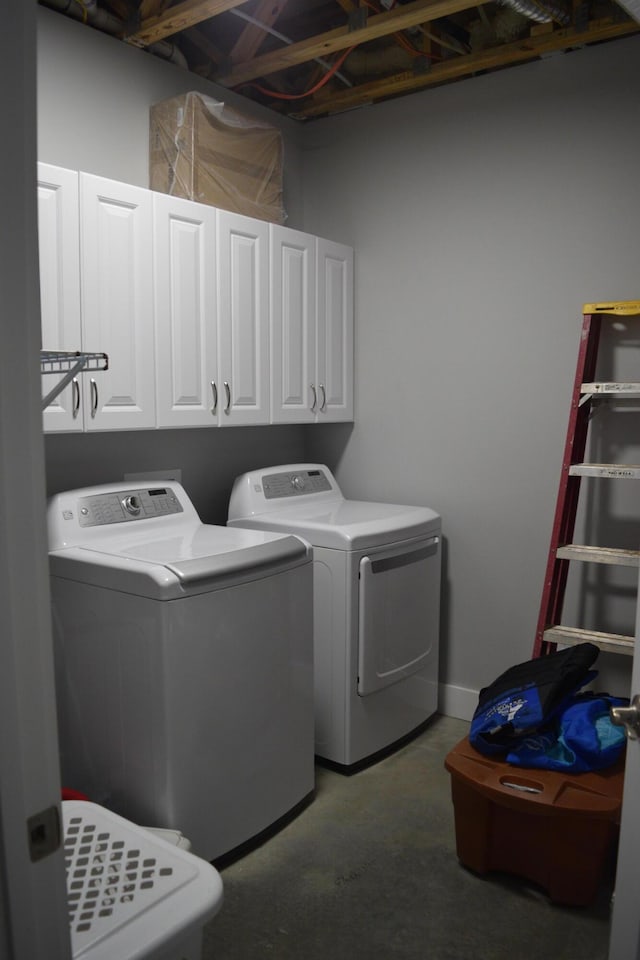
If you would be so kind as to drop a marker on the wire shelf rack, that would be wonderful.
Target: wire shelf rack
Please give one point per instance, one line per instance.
(68, 364)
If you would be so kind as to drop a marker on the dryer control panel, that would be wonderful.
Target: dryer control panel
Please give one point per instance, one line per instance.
(288, 486)
(293, 483)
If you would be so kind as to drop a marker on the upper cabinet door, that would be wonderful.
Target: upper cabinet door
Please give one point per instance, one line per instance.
(243, 319)
(187, 389)
(294, 394)
(117, 302)
(59, 251)
(335, 331)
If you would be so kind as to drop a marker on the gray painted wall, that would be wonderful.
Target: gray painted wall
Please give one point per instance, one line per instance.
(209, 459)
(483, 215)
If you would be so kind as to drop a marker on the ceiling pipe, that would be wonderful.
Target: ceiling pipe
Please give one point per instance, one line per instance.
(542, 11)
(89, 12)
(169, 51)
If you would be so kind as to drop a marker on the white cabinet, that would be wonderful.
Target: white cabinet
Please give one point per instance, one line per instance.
(59, 252)
(311, 328)
(116, 264)
(187, 383)
(211, 315)
(294, 397)
(96, 295)
(242, 258)
(208, 317)
(334, 278)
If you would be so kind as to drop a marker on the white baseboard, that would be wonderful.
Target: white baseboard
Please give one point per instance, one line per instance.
(458, 702)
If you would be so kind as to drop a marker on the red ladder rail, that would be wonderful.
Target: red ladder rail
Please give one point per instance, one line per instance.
(557, 570)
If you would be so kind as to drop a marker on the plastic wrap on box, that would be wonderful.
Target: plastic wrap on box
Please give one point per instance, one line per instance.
(203, 150)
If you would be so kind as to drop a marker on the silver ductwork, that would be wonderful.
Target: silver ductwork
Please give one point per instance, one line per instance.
(541, 11)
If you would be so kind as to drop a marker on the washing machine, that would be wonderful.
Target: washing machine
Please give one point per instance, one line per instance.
(184, 664)
(376, 578)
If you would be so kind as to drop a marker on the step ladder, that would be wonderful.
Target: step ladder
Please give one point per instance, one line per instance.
(562, 551)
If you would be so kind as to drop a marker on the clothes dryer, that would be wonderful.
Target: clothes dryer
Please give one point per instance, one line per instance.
(184, 657)
(376, 604)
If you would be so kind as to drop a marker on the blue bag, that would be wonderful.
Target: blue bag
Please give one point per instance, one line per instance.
(581, 738)
(527, 697)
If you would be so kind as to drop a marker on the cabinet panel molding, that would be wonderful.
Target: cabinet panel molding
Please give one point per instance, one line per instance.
(185, 312)
(117, 302)
(59, 255)
(243, 318)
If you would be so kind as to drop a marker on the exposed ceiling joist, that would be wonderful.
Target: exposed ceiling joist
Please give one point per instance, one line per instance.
(148, 8)
(310, 58)
(267, 12)
(177, 18)
(506, 55)
(334, 41)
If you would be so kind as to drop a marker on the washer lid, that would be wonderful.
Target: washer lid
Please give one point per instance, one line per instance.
(165, 567)
(348, 524)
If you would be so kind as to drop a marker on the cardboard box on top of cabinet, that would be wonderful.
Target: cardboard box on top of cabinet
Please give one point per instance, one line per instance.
(201, 149)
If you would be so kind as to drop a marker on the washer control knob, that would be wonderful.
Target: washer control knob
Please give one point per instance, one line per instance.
(132, 504)
(297, 482)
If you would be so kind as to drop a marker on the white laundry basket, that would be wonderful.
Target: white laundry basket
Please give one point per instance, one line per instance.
(132, 894)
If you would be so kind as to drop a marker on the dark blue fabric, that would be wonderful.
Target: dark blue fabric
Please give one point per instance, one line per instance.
(581, 738)
(508, 719)
(515, 711)
(527, 696)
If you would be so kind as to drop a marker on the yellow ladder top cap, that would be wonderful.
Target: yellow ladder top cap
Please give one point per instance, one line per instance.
(621, 308)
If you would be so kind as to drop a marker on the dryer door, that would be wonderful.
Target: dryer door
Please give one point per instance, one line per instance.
(399, 613)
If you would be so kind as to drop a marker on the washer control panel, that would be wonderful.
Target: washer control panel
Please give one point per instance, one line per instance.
(138, 504)
(293, 483)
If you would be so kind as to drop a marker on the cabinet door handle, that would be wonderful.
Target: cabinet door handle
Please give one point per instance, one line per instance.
(94, 397)
(315, 398)
(323, 405)
(75, 402)
(214, 393)
(227, 390)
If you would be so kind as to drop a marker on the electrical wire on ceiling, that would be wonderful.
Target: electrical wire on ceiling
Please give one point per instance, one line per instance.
(83, 7)
(280, 36)
(300, 96)
(331, 70)
(503, 23)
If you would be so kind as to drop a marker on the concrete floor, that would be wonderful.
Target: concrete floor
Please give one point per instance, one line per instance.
(368, 871)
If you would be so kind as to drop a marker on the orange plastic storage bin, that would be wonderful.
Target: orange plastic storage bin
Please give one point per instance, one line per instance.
(555, 829)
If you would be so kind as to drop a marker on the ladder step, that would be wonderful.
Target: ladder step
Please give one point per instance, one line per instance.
(610, 642)
(614, 471)
(614, 555)
(612, 389)
(620, 308)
